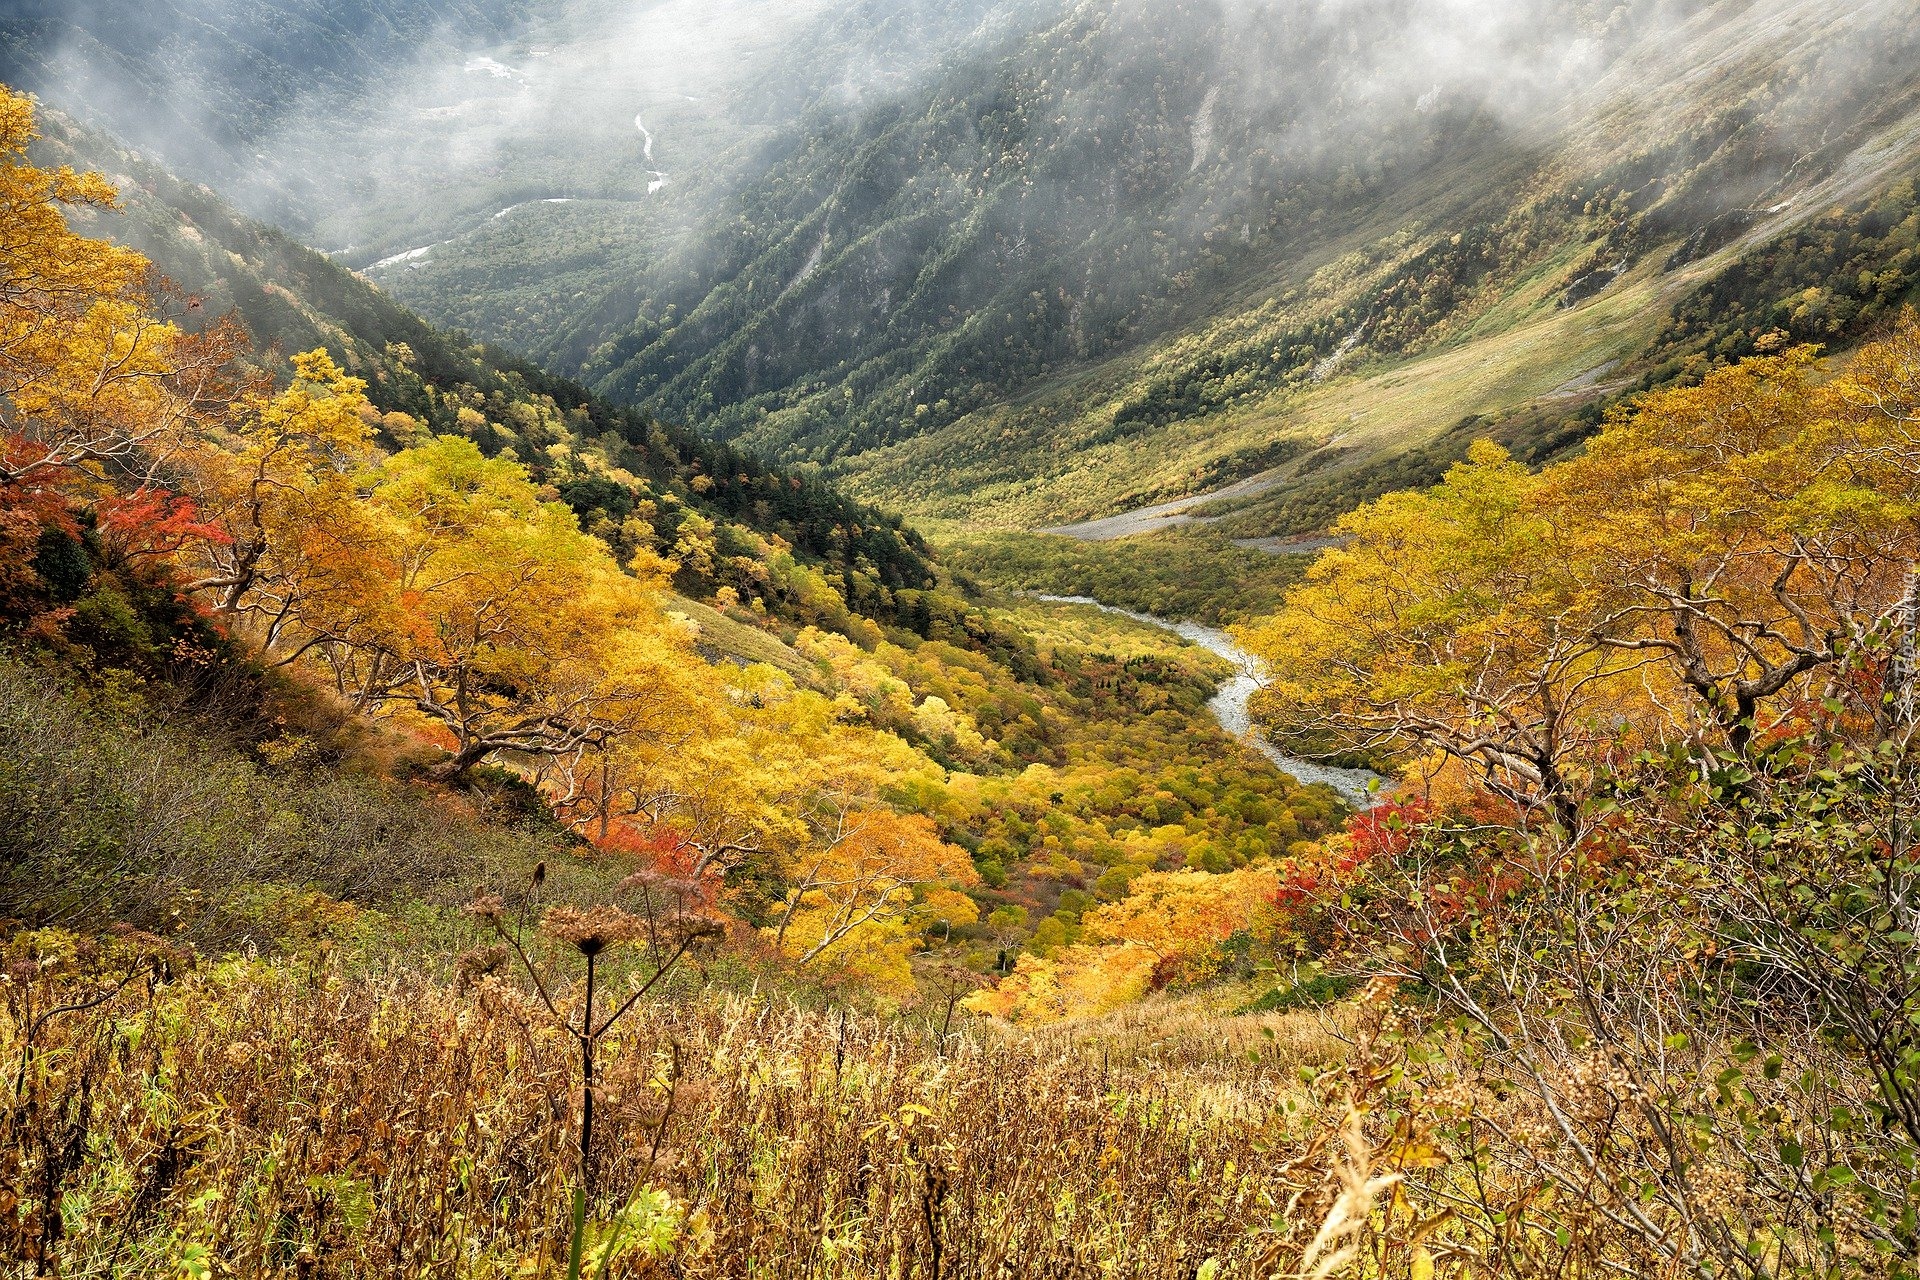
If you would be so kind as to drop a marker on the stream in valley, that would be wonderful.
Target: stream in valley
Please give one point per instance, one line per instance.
(1360, 788)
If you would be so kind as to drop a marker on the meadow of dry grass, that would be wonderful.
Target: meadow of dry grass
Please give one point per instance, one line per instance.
(284, 1118)
(268, 1119)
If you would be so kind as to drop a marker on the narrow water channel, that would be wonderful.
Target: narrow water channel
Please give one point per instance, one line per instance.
(1361, 788)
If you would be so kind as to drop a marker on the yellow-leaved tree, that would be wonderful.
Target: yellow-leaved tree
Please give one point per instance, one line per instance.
(863, 878)
(495, 622)
(94, 382)
(1451, 621)
(1723, 531)
(780, 778)
(724, 789)
(1724, 562)
(276, 483)
(858, 891)
(1875, 419)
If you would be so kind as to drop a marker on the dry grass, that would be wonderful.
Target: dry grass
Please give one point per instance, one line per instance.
(272, 1122)
(1198, 1032)
(265, 1119)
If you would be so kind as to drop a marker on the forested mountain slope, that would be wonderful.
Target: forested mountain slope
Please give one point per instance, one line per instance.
(426, 381)
(1031, 261)
(1133, 254)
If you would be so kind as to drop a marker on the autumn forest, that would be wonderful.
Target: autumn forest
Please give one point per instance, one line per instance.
(930, 660)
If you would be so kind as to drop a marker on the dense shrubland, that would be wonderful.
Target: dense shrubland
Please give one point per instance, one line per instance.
(121, 811)
(1646, 892)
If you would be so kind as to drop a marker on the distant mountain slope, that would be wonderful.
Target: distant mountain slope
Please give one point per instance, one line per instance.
(209, 83)
(544, 149)
(423, 379)
(1052, 199)
(1026, 262)
(1149, 248)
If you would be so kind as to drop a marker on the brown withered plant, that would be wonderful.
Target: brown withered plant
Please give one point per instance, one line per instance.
(664, 918)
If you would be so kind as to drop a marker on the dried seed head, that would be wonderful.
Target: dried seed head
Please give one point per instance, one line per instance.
(483, 960)
(591, 930)
(488, 906)
(479, 963)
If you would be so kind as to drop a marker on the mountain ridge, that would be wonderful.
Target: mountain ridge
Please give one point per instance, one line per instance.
(1663, 175)
(1023, 264)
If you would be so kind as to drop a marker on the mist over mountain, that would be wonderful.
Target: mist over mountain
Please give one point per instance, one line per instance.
(367, 118)
(1293, 191)
(1034, 259)
(212, 84)
(1067, 192)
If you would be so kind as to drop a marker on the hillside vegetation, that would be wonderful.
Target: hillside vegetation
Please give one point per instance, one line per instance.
(467, 586)
(607, 463)
(299, 691)
(456, 824)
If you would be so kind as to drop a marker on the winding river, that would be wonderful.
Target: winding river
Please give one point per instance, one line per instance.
(1361, 788)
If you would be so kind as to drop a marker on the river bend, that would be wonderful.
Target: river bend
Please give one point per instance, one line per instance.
(1361, 788)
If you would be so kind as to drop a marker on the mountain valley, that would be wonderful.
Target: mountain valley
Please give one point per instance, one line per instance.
(915, 639)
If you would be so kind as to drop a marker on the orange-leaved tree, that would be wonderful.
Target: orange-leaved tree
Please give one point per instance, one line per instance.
(1180, 917)
(1169, 926)
(861, 887)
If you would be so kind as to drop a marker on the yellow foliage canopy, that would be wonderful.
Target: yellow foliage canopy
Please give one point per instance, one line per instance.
(1170, 924)
(870, 880)
(92, 384)
(1725, 561)
(481, 611)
